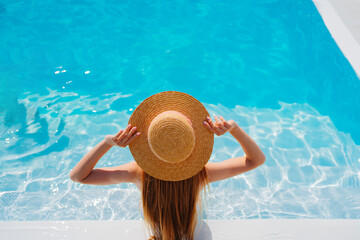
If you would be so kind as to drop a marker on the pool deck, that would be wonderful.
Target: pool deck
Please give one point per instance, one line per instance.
(212, 229)
(342, 18)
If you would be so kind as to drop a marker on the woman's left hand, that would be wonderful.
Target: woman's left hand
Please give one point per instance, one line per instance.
(123, 137)
(219, 127)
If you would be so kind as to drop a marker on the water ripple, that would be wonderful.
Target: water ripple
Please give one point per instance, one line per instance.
(311, 167)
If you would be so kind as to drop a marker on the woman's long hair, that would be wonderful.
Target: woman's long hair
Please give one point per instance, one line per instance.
(170, 208)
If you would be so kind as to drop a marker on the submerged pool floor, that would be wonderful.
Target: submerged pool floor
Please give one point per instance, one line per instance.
(311, 167)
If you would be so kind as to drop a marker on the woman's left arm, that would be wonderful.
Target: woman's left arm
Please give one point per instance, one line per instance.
(84, 171)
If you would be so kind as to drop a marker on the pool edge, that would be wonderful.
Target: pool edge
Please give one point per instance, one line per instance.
(210, 229)
(341, 33)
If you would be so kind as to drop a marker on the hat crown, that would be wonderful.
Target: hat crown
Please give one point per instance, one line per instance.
(171, 137)
(144, 148)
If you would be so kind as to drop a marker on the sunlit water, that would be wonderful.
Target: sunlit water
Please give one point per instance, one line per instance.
(73, 72)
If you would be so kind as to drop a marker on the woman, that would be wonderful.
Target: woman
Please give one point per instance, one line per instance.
(170, 136)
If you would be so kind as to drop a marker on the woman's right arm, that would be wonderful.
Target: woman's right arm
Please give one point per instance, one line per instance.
(253, 158)
(85, 173)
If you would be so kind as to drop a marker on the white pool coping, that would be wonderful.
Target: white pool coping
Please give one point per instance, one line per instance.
(344, 26)
(211, 229)
(342, 18)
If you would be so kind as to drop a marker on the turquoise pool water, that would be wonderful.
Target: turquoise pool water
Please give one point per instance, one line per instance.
(71, 72)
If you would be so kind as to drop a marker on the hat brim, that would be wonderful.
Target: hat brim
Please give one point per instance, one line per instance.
(204, 139)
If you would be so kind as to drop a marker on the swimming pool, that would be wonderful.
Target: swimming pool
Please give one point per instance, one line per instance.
(72, 72)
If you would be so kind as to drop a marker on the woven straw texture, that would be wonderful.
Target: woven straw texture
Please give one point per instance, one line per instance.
(204, 139)
(171, 137)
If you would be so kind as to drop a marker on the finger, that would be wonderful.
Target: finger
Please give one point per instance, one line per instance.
(226, 124)
(222, 119)
(124, 133)
(220, 125)
(209, 127)
(217, 120)
(132, 138)
(129, 135)
(211, 123)
(118, 134)
(213, 128)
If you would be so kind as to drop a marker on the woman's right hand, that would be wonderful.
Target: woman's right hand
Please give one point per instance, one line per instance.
(123, 137)
(220, 126)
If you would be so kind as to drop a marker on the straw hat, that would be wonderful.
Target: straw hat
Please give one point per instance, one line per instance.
(174, 143)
